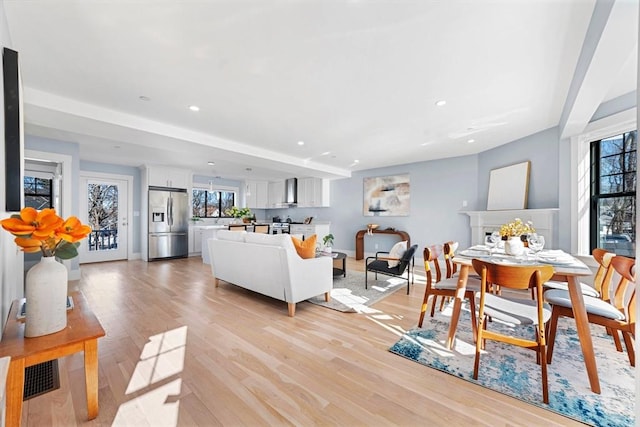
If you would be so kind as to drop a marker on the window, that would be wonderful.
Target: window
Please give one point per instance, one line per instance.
(613, 193)
(38, 192)
(212, 203)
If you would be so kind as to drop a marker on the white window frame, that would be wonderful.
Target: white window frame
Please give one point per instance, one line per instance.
(581, 172)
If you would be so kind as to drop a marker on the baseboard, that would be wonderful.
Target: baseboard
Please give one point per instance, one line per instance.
(74, 274)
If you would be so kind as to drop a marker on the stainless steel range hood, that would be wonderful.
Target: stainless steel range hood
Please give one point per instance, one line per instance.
(291, 191)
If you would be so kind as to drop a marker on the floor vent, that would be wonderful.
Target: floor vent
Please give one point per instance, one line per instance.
(41, 378)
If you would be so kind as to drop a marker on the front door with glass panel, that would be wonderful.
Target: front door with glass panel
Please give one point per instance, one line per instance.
(104, 208)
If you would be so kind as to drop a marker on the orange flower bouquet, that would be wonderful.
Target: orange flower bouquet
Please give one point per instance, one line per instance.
(45, 231)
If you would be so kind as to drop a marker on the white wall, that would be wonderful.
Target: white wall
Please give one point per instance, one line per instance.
(11, 259)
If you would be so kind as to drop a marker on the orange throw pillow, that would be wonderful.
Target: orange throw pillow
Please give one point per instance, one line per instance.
(306, 248)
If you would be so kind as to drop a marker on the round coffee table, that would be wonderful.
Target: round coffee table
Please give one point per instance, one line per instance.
(337, 271)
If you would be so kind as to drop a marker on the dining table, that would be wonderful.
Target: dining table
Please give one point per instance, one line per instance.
(566, 268)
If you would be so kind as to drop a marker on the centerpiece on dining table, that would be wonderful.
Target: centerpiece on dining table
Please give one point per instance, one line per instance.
(512, 233)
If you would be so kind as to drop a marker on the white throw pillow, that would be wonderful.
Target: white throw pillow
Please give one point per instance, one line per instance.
(396, 252)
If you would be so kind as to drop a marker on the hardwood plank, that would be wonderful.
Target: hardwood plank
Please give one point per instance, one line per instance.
(243, 361)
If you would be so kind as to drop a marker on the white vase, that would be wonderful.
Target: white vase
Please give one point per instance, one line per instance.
(46, 295)
(514, 246)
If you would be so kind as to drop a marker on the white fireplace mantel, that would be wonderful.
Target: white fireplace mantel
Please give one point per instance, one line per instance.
(545, 221)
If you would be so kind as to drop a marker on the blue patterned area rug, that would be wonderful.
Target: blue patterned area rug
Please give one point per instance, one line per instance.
(513, 371)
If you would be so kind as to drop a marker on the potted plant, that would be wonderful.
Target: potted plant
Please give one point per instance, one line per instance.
(328, 242)
(236, 212)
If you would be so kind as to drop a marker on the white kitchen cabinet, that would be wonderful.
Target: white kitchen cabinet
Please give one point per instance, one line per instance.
(195, 237)
(307, 230)
(257, 195)
(313, 192)
(160, 176)
(276, 194)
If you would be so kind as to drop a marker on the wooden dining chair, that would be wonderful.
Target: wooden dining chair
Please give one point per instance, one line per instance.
(262, 228)
(517, 312)
(616, 314)
(237, 227)
(603, 258)
(448, 253)
(437, 286)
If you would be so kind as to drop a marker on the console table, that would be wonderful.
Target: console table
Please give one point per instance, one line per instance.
(81, 334)
(360, 239)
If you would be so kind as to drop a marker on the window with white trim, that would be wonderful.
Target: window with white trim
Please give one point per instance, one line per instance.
(581, 178)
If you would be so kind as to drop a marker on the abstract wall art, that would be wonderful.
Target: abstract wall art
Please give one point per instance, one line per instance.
(386, 195)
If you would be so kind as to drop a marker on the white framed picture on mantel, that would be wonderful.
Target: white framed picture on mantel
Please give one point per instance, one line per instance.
(509, 187)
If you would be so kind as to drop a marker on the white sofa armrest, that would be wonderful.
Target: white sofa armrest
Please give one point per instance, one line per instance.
(308, 277)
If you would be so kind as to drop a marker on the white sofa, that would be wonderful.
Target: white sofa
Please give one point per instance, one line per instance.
(269, 264)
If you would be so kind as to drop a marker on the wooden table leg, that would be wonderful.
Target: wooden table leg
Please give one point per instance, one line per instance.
(457, 304)
(14, 390)
(91, 376)
(584, 332)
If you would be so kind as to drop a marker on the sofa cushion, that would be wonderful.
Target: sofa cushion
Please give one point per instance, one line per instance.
(236, 236)
(305, 248)
(280, 240)
(396, 252)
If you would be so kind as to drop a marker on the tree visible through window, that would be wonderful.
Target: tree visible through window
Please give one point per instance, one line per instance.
(613, 193)
(212, 204)
(38, 192)
(102, 200)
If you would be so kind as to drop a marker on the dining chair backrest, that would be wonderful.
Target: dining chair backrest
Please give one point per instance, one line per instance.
(514, 276)
(237, 227)
(602, 278)
(431, 255)
(261, 228)
(449, 250)
(624, 298)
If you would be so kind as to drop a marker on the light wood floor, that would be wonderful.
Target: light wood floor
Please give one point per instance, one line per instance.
(179, 352)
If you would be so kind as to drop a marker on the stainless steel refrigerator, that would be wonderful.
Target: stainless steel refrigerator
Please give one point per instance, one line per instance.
(168, 223)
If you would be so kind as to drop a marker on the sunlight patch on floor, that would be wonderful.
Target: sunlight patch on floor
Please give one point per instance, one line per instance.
(161, 358)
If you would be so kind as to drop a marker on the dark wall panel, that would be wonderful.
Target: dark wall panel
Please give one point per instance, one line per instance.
(13, 184)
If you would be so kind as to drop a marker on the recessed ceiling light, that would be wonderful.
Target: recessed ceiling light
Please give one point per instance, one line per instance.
(471, 141)
(356, 161)
(248, 169)
(300, 142)
(441, 103)
(194, 108)
(326, 153)
(144, 98)
(211, 163)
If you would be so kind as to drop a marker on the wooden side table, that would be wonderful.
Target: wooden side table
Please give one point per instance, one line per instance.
(360, 239)
(81, 334)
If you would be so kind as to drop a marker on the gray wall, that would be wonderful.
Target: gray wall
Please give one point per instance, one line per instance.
(541, 149)
(438, 189)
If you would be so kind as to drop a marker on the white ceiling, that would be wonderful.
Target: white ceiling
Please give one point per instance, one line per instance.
(356, 79)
